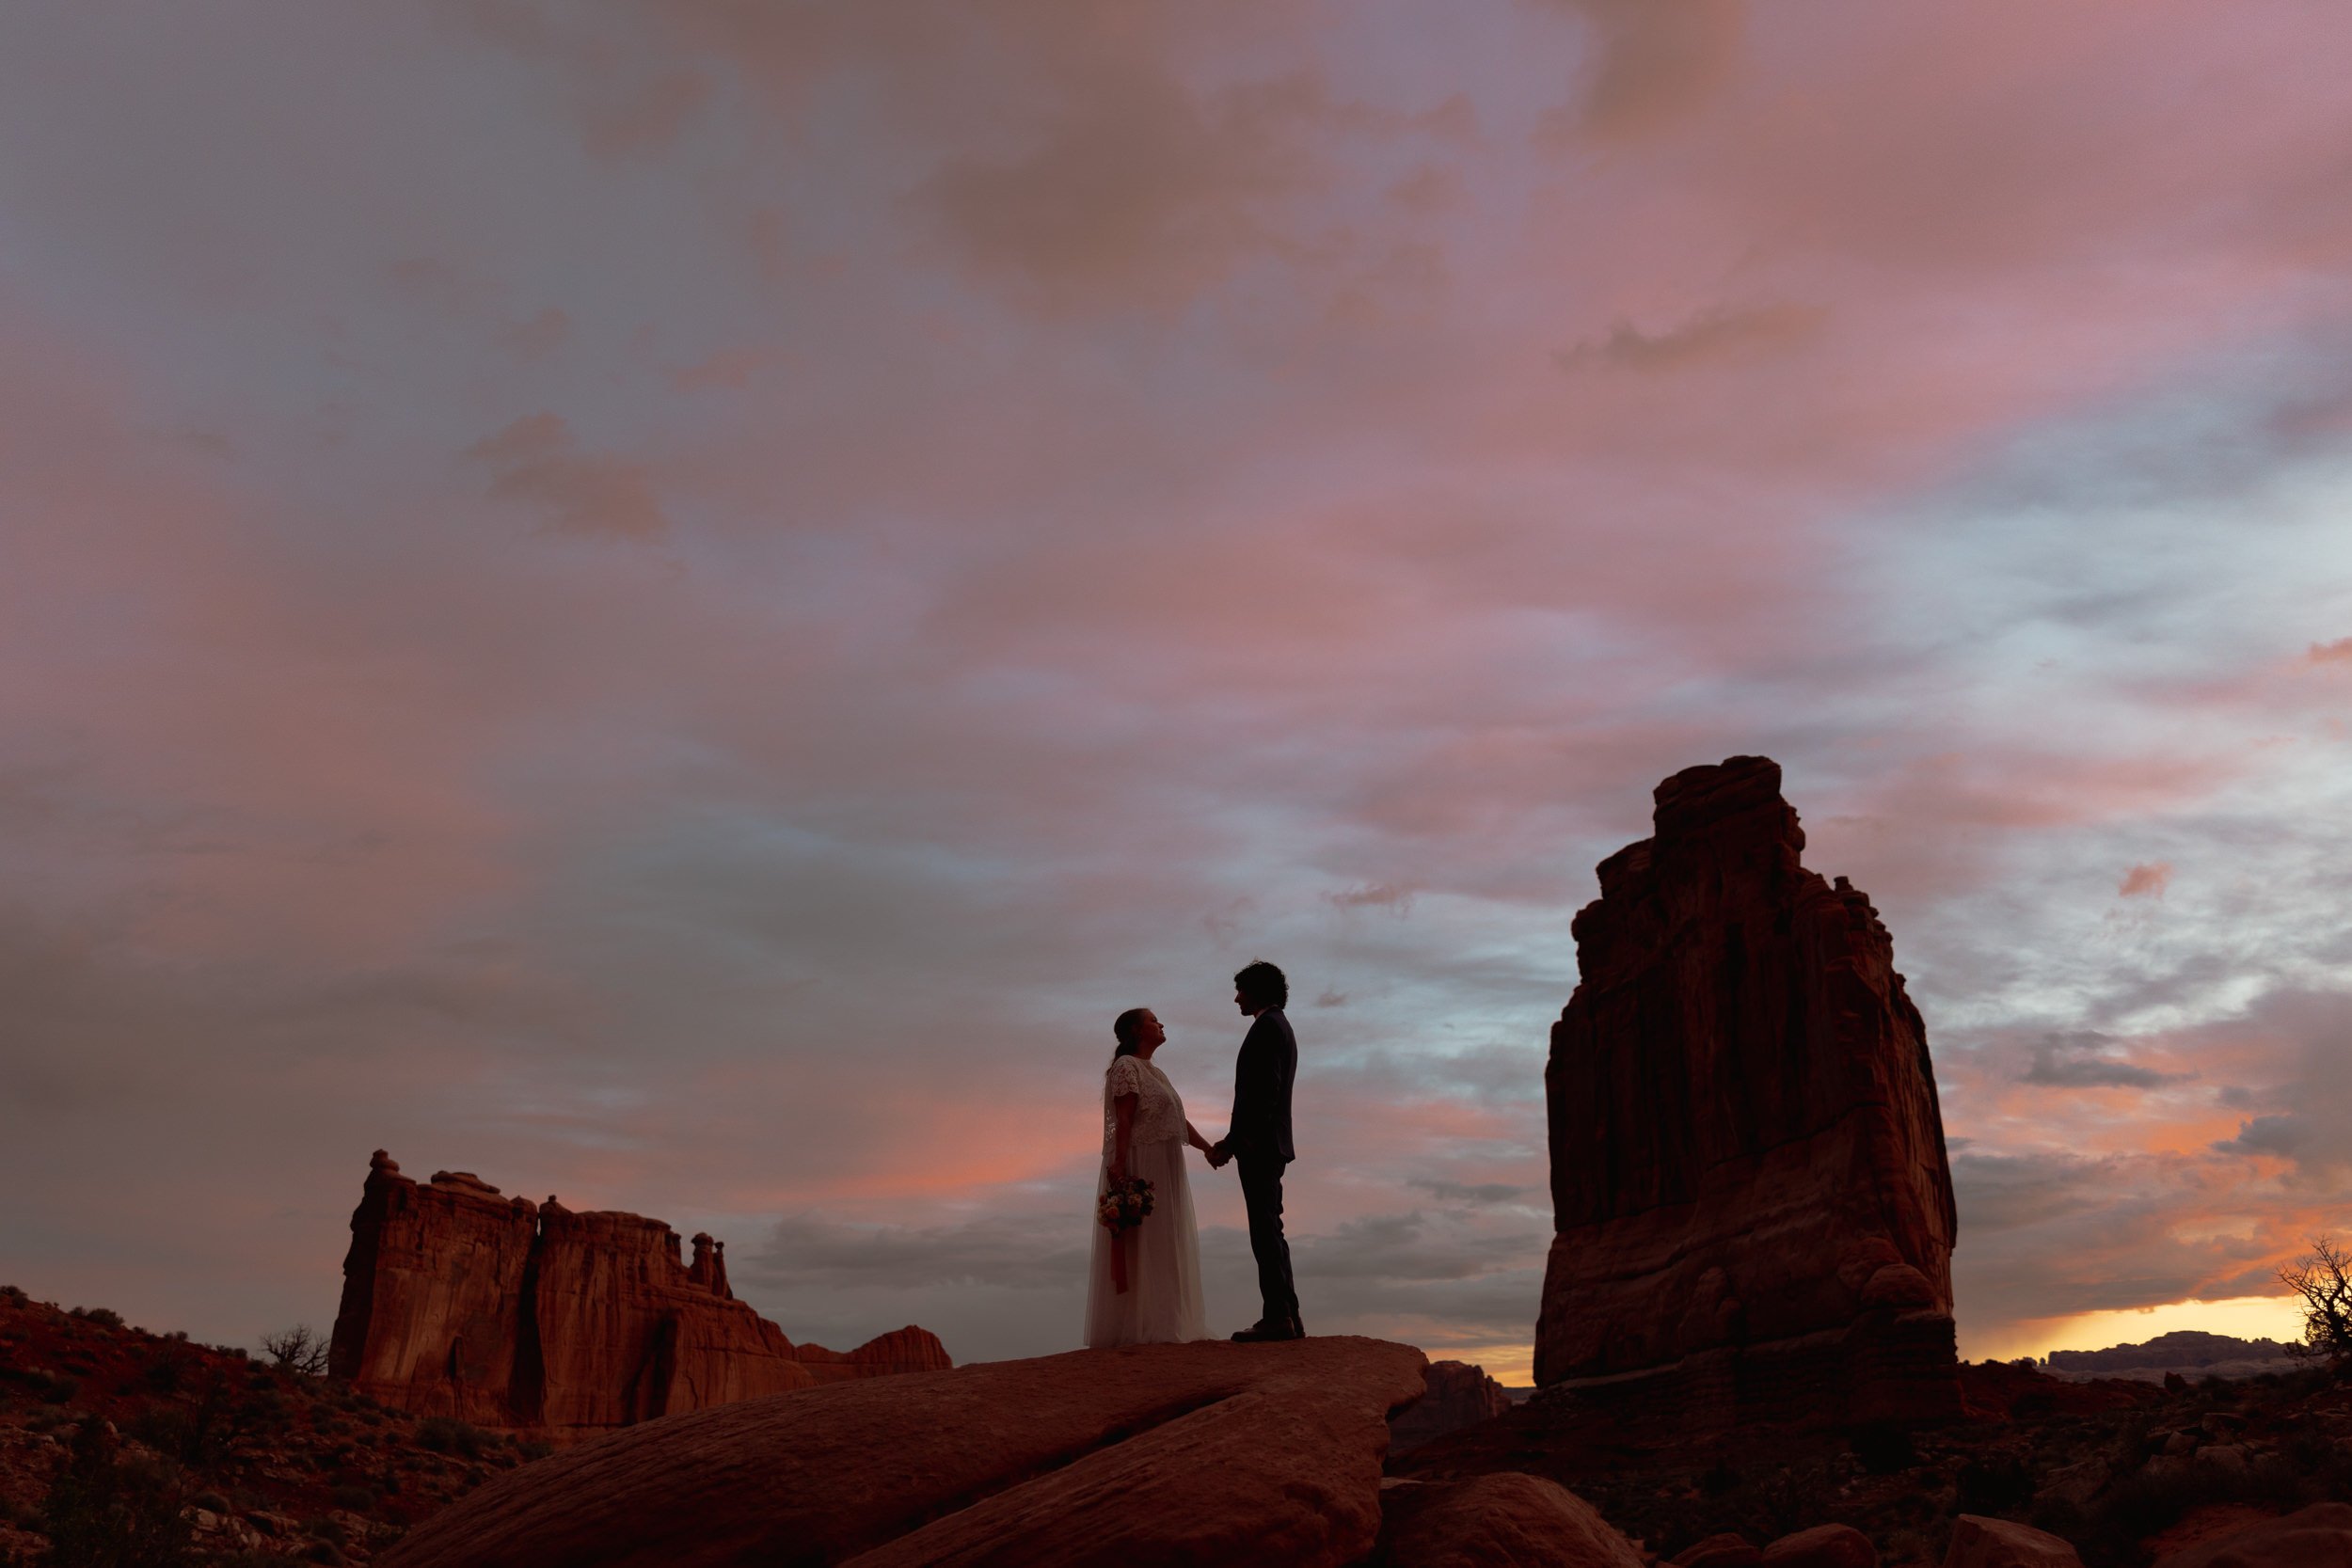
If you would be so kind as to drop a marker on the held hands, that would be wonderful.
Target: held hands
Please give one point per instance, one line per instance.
(1218, 1155)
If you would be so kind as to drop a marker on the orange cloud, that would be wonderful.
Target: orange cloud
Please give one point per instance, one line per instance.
(2145, 881)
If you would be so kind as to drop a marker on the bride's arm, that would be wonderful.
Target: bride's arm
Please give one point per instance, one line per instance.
(1197, 1140)
(1123, 1109)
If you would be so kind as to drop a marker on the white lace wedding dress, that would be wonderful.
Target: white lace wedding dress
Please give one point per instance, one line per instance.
(1162, 1302)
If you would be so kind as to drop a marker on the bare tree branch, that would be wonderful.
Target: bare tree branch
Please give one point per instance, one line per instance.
(299, 1350)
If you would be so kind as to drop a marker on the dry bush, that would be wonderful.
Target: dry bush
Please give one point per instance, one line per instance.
(299, 1350)
(2324, 1281)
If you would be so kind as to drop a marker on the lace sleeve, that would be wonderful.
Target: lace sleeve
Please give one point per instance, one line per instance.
(1126, 1077)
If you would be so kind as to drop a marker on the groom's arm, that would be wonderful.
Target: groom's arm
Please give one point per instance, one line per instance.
(1253, 1086)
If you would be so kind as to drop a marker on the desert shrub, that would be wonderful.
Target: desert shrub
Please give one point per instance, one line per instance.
(212, 1501)
(1994, 1483)
(105, 1513)
(265, 1410)
(165, 1374)
(2137, 1507)
(538, 1448)
(1788, 1499)
(104, 1317)
(359, 1499)
(48, 1387)
(450, 1436)
(300, 1349)
(14, 1296)
(1884, 1449)
(326, 1552)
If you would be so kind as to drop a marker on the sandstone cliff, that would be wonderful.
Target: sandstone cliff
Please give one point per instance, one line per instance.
(1751, 1202)
(1457, 1395)
(458, 1301)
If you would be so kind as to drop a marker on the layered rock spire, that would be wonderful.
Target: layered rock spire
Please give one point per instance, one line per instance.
(1753, 1206)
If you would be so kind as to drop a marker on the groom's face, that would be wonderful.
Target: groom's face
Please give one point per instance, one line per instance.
(1241, 1000)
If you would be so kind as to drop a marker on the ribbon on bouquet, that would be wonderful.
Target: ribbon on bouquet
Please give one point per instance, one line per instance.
(1119, 1259)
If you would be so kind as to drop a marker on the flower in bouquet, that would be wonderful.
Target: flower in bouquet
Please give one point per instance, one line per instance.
(1124, 1204)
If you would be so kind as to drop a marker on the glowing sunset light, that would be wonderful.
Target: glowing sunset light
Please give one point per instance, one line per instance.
(678, 603)
(2240, 1317)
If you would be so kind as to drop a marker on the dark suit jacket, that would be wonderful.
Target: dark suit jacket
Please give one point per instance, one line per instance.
(1260, 1128)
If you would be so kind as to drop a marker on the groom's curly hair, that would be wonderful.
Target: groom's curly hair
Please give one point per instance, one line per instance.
(1264, 984)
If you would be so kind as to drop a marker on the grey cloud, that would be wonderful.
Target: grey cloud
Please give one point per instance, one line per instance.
(1709, 337)
(1475, 1193)
(1024, 1252)
(2292, 1137)
(1413, 1247)
(1375, 895)
(2080, 1062)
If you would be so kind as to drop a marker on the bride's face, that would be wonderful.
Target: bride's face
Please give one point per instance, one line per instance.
(1149, 1034)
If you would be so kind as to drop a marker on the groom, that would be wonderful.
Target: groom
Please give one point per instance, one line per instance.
(1259, 1137)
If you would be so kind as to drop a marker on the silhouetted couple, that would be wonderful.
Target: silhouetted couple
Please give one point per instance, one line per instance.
(1145, 1284)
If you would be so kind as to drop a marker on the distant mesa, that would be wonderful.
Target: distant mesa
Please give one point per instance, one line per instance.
(2187, 1352)
(1753, 1206)
(458, 1301)
(1456, 1395)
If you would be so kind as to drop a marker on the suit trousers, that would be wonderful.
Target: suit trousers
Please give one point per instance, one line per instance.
(1261, 1192)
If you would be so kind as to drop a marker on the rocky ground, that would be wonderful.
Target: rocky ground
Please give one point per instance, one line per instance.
(2127, 1472)
(113, 1437)
(188, 1455)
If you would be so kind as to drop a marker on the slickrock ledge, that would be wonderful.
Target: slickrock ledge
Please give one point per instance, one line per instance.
(1206, 1452)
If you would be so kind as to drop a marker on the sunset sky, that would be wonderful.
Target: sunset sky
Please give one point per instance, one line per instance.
(673, 602)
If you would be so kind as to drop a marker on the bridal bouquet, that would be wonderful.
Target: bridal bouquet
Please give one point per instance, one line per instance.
(1123, 1206)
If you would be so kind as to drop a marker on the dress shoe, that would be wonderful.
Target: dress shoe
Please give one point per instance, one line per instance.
(1262, 1333)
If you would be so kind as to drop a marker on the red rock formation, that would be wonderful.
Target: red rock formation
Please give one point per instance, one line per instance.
(1502, 1518)
(457, 1300)
(1822, 1546)
(1208, 1452)
(1979, 1542)
(430, 1287)
(1459, 1395)
(2312, 1538)
(1752, 1203)
(901, 1349)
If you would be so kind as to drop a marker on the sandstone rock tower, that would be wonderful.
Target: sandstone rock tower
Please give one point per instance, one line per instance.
(1752, 1208)
(460, 1302)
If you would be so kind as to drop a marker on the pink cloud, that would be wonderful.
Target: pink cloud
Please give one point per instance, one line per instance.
(536, 460)
(2146, 881)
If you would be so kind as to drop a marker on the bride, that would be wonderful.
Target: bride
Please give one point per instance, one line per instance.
(1144, 1133)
